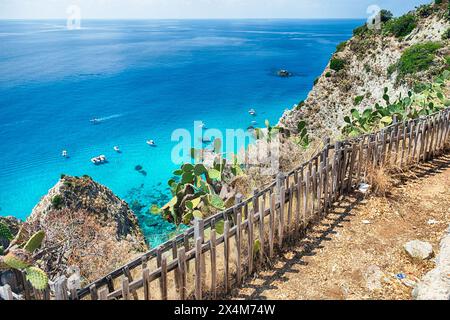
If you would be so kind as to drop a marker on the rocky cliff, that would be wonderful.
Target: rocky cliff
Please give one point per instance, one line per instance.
(84, 194)
(363, 66)
(86, 227)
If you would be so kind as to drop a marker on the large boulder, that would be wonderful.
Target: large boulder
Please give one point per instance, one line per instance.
(84, 194)
(86, 227)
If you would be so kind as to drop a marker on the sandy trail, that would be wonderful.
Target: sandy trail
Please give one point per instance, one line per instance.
(361, 238)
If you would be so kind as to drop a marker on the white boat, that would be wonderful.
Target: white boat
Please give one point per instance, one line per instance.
(64, 153)
(151, 143)
(99, 160)
(95, 121)
(116, 149)
(202, 125)
(252, 112)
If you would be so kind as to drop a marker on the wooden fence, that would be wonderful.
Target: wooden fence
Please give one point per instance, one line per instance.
(216, 255)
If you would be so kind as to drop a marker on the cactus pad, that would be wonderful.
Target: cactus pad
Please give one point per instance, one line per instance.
(5, 232)
(18, 259)
(35, 241)
(37, 278)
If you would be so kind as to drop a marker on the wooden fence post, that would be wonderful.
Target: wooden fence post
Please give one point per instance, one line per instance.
(226, 250)
(281, 192)
(61, 292)
(6, 292)
(182, 272)
(261, 228)
(198, 268)
(212, 242)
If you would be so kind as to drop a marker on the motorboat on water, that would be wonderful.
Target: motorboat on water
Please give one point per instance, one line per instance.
(202, 125)
(206, 139)
(95, 121)
(64, 154)
(116, 149)
(99, 160)
(151, 143)
(252, 112)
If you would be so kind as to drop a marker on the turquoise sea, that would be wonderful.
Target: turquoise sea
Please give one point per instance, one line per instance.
(141, 80)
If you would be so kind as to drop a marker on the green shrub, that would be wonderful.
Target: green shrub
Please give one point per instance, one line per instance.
(57, 202)
(358, 100)
(391, 69)
(386, 15)
(316, 81)
(328, 74)
(417, 58)
(402, 26)
(340, 47)
(446, 34)
(360, 30)
(447, 62)
(420, 87)
(337, 64)
(425, 10)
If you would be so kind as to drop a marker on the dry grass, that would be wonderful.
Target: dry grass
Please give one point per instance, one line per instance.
(380, 180)
(77, 239)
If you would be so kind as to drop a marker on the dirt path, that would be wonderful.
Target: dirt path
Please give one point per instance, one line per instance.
(357, 251)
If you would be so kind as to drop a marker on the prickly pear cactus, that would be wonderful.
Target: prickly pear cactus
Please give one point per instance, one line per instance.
(35, 241)
(5, 233)
(18, 259)
(37, 277)
(3, 265)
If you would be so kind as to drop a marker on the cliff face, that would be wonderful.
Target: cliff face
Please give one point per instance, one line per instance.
(87, 227)
(368, 58)
(84, 194)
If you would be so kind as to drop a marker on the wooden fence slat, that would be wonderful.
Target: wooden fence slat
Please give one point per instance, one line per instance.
(103, 294)
(146, 283)
(93, 291)
(405, 131)
(298, 196)
(261, 228)
(212, 241)
(226, 235)
(410, 141)
(306, 194)
(61, 292)
(125, 289)
(281, 216)
(290, 205)
(127, 273)
(174, 256)
(6, 292)
(182, 272)
(164, 278)
(198, 268)
(250, 239)
(271, 224)
(238, 248)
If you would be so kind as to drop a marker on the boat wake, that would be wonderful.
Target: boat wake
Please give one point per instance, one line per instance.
(103, 119)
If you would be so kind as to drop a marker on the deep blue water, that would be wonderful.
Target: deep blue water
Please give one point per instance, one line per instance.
(143, 79)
